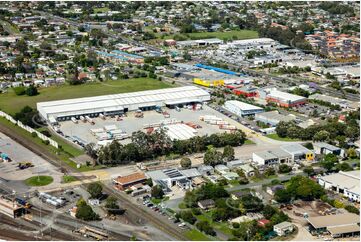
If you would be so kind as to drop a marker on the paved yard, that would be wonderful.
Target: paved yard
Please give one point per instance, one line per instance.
(17, 153)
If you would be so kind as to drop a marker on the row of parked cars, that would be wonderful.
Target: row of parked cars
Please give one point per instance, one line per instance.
(160, 208)
(155, 207)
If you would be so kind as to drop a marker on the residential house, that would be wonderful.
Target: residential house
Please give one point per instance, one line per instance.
(221, 169)
(206, 204)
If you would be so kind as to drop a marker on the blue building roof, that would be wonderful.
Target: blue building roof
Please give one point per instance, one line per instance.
(127, 54)
(218, 70)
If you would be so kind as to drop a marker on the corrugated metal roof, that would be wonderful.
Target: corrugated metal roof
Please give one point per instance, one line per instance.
(98, 103)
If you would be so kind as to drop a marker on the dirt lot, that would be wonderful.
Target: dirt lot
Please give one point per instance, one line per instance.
(312, 208)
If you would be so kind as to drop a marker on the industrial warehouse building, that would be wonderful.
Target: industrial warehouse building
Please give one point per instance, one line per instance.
(284, 155)
(273, 117)
(168, 178)
(344, 182)
(338, 225)
(272, 157)
(285, 99)
(241, 108)
(61, 110)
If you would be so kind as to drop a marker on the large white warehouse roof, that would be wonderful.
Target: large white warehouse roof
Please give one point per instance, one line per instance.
(243, 106)
(130, 101)
(285, 96)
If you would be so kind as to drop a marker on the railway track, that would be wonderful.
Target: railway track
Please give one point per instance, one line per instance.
(155, 218)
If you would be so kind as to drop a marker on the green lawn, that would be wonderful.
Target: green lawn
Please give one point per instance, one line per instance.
(66, 146)
(233, 34)
(101, 10)
(159, 200)
(68, 179)
(182, 205)
(238, 34)
(11, 103)
(37, 181)
(221, 226)
(196, 235)
(276, 137)
(249, 142)
(12, 29)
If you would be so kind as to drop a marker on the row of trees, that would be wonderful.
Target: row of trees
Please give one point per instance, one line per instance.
(293, 70)
(287, 37)
(331, 131)
(30, 91)
(213, 157)
(299, 187)
(226, 208)
(147, 146)
(326, 104)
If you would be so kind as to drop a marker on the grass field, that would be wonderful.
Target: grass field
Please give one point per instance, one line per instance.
(237, 34)
(37, 181)
(221, 226)
(10, 103)
(249, 142)
(196, 235)
(9, 27)
(67, 147)
(276, 137)
(68, 179)
(101, 10)
(234, 34)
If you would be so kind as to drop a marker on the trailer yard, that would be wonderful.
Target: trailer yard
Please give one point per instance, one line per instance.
(190, 122)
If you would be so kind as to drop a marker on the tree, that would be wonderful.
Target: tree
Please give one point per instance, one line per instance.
(212, 157)
(31, 91)
(27, 116)
(309, 145)
(90, 150)
(186, 162)
(205, 227)
(111, 202)
(149, 182)
(281, 129)
(283, 168)
(20, 90)
(268, 211)
(21, 45)
(329, 161)
(351, 153)
(228, 153)
(282, 196)
(304, 188)
(322, 135)
(309, 170)
(270, 171)
(95, 189)
(81, 202)
(344, 166)
(86, 213)
(157, 192)
(352, 209)
(187, 216)
(252, 203)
